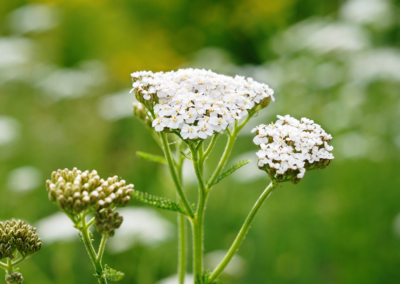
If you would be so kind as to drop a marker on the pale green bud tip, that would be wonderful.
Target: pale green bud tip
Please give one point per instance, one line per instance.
(14, 278)
(76, 191)
(17, 235)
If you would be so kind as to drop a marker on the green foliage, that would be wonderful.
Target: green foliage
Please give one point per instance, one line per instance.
(205, 279)
(112, 274)
(231, 170)
(158, 202)
(150, 157)
(186, 155)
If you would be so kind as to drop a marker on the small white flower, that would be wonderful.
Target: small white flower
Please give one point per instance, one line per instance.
(292, 145)
(196, 94)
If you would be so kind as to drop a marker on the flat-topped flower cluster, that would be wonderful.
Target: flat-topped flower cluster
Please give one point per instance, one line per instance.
(76, 191)
(290, 147)
(198, 103)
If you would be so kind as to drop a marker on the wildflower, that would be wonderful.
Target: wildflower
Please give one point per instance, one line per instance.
(183, 99)
(290, 147)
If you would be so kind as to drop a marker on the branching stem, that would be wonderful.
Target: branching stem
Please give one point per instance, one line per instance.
(242, 233)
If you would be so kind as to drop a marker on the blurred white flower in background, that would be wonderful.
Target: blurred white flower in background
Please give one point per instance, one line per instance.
(140, 225)
(321, 36)
(236, 267)
(16, 56)
(375, 12)
(9, 130)
(24, 179)
(377, 64)
(56, 227)
(33, 18)
(72, 82)
(189, 279)
(336, 36)
(116, 106)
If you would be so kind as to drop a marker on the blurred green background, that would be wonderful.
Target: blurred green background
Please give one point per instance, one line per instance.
(65, 102)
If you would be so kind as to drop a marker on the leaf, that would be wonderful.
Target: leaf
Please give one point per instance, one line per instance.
(112, 274)
(150, 157)
(231, 170)
(186, 155)
(158, 202)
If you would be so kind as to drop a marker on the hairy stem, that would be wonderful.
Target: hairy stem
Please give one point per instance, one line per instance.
(92, 254)
(242, 233)
(101, 248)
(174, 174)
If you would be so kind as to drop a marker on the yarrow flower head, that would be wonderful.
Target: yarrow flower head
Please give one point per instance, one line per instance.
(198, 103)
(18, 235)
(290, 147)
(76, 191)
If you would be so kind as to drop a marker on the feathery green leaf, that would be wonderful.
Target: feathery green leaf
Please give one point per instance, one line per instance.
(159, 202)
(150, 157)
(186, 155)
(231, 170)
(112, 274)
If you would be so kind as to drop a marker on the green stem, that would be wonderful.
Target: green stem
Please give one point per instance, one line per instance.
(198, 222)
(242, 233)
(91, 222)
(181, 248)
(18, 260)
(174, 175)
(3, 265)
(101, 248)
(92, 254)
(227, 152)
(210, 146)
(9, 266)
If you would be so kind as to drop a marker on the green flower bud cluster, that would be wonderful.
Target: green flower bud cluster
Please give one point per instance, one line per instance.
(14, 278)
(107, 221)
(18, 235)
(76, 191)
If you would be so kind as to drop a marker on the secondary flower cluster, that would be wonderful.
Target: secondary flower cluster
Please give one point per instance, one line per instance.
(196, 102)
(107, 221)
(290, 147)
(14, 278)
(18, 235)
(76, 191)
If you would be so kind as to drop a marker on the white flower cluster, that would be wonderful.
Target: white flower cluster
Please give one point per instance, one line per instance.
(290, 147)
(198, 102)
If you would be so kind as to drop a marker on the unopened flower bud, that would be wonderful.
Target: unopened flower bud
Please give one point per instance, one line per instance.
(14, 278)
(17, 235)
(107, 221)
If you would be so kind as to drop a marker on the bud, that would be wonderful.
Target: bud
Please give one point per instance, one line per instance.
(17, 235)
(107, 221)
(139, 111)
(76, 191)
(14, 278)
